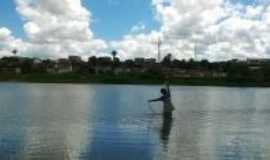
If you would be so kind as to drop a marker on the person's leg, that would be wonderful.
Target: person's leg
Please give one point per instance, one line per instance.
(167, 115)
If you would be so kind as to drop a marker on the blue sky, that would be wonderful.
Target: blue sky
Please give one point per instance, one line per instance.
(224, 30)
(9, 18)
(111, 19)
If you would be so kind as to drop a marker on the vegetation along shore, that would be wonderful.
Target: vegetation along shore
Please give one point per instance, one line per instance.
(107, 70)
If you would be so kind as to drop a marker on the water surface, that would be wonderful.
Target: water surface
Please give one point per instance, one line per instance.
(101, 122)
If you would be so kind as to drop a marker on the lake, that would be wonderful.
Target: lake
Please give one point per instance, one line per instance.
(102, 122)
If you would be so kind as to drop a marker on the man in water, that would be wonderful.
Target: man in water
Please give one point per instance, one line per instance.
(167, 103)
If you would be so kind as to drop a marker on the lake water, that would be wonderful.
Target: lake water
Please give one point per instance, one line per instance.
(103, 122)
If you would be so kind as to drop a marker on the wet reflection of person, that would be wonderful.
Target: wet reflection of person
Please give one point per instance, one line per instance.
(165, 131)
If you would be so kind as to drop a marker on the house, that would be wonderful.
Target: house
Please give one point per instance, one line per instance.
(11, 65)
(64, 66)
(258, 61)
(37, 61)
(77, 67)
(75, 59)
(137, 69)
(11, 69)
(37, 65)
(199, 74)
(104, 60)
(50, 66)
(100, 69)
(128, 63)
(150, 61)
(219, 75)
(178, 73)
(121, 69)
(76, 62)
(139, 61)
(254, 68)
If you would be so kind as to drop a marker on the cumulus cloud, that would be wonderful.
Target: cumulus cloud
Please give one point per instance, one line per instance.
(8, 42)
(136, 45)
(213, 29)
(53, 21)
(138, 28)
(56, 29)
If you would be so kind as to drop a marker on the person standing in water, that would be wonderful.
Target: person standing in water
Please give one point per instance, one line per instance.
(168, 107)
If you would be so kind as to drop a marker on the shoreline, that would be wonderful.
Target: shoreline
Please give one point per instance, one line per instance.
(125, 80)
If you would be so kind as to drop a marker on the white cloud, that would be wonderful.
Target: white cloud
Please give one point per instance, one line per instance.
(4, 34)
(53, 21)
(8, 42)
(54, 29)
(139, 45)
(138, 28)
(213, 29)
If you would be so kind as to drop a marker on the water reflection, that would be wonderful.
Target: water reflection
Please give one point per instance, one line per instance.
(36, 126)
(165, 132)
(80, 122)
(117, 134)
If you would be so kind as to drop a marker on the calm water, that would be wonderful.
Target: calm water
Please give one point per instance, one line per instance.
(102, 122)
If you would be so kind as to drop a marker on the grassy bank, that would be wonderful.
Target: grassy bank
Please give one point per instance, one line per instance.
(124, 79)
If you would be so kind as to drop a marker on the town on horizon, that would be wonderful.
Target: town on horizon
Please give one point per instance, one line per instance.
(241, 71)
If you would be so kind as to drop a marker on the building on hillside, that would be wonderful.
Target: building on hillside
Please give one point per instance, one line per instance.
(11, 70)
(200, 74)
(101, 69)
(150, 61)
(219, 75)
(37, 65)
(258, 61)
(76, 62)
(75, 59)
(139, 61)
(37, 61)
(11, 65)
(104, 61)
(64, 66)
(122, 69)
(254, 68)
(50, 66)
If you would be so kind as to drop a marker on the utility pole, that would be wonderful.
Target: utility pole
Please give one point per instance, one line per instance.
(159, 43)
(195, 51)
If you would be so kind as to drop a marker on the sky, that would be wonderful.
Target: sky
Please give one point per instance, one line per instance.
(216, 30)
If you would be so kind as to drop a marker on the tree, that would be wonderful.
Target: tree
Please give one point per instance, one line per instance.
(92, 61)
(205, 64)
(114, 54)
(14, 52)
(115, 60)
(167, 59)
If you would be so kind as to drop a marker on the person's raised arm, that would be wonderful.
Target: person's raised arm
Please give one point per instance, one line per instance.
(168, 88)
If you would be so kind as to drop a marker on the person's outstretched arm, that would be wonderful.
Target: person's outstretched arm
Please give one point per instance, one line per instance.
(155, 100)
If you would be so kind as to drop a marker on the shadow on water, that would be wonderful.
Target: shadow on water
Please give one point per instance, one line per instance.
(165, 132)
(118, 132)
